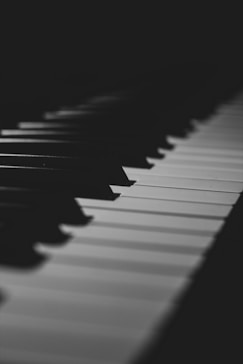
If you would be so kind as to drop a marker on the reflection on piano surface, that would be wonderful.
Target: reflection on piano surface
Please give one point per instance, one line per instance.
(113, 210)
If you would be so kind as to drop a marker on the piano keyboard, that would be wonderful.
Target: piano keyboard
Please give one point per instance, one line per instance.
(101, 296)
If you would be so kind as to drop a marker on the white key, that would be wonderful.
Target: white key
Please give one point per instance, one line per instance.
(68, 340)
(184, 182)
(224, 166)
(162, 247)
(211, 134)
(65, 114)
(194, 153)
(199, 150)
(120, 314)
(40, 125)
(174, 154)
(215, 144)
(80, 251)
(177, 194)
(10, 355)
(187, 172)
(158, 206)
(160, 222)
(151, 238)
(93, 282)
(197, 172)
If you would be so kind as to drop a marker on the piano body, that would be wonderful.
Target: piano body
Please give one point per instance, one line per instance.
(120, 204)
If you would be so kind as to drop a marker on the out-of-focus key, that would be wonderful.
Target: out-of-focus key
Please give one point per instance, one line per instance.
(159, 206)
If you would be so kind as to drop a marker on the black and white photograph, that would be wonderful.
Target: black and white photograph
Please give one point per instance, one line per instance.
(121, 179)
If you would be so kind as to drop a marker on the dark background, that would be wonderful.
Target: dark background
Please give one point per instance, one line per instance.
(42, 42)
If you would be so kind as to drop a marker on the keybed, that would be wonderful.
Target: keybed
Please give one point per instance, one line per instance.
(100, 297)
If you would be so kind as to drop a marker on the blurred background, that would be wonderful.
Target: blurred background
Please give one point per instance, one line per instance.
(80, 46)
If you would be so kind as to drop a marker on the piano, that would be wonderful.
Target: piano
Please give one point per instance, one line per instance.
(114, 244)
(120, 212)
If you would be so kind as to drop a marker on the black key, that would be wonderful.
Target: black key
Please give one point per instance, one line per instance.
(79, 183)
(60, 205)
(134, 143)
(128, 154)
(112, 170)
(12, 209)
